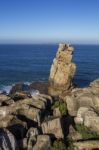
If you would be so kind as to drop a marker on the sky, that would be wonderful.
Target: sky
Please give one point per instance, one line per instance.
(49, 21)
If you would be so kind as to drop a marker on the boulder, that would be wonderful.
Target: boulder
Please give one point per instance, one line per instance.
(88, 118)
(43, 143)
(72, 105)
(42, 87)
(74, 135)
(91, 121)
(30, 108)
(81, 99)
(79, 118)
(3, 98)
(32, 132)
(18, 128)
(62, 71)
(96, 100)
(31, 137)
(56, 112)
(7, 140)
(95, 83)
(6, 121)
(19, 87)
(53, 127)
(21, 95)
(86, 145)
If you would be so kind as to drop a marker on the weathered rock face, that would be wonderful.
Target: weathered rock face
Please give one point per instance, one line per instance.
(7, 140)
(83, 104)
(30, 108)
(83, 97)
(88, 118)
(87, 145)
(3, 98)
(43, 143)
(53, 127)
(62, 71)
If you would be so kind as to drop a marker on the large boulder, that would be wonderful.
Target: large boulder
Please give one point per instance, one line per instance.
(81, 98)
(53, 127)
(62, 71)
(89, 118)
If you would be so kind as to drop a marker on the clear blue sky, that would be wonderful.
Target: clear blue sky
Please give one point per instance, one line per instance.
(46, 21)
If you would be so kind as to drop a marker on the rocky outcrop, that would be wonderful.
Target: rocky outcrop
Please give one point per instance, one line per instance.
(24, 116)
(53, 127)
(43, 143)
(83, 105)
(32, 120)
(83, 97)
(88, 118)
(31, 108)
(19, 87)
(7, 140)
(87, 145)
(3, 98)
(62, 71)
(42, 87)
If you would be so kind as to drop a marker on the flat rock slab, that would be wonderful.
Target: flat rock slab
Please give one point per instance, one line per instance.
(86, 145)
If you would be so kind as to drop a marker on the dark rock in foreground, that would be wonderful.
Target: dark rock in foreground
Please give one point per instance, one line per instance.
(7, 140)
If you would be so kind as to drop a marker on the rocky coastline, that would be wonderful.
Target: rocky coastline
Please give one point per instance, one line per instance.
(59, 116)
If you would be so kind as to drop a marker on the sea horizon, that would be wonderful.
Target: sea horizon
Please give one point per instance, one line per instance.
(32, 62)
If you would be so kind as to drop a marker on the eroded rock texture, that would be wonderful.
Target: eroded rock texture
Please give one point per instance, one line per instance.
(62, 71)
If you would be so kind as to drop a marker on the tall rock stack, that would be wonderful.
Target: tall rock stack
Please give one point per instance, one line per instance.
(62, 70)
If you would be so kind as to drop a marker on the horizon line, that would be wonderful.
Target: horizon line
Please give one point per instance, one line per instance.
(49, 43)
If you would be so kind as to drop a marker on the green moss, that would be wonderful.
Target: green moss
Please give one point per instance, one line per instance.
(58, 145)
(85, 132)
(56, 105)
(70, 143)
(62, 107)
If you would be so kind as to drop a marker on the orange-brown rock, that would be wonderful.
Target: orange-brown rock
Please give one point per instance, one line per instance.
(62, 71)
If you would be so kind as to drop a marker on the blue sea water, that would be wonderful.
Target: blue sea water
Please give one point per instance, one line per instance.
(28, 63)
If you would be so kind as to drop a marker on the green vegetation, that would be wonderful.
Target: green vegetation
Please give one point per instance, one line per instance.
(58, 145)
(85, 132)
(62, 107)
(70, 143)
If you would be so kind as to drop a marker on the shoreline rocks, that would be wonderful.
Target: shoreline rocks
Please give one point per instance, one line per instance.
(65, 118)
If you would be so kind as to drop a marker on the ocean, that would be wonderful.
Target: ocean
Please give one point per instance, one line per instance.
(30, 63)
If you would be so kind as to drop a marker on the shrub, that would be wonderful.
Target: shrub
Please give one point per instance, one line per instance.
(62, 107)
